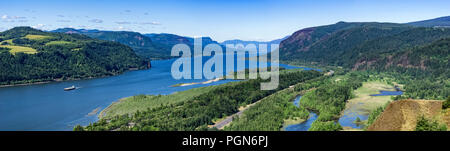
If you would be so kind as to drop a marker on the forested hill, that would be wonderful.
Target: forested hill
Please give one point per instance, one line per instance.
(359, 45)
(154, 46)
(432, 58)
(28, 55)
(244, 42)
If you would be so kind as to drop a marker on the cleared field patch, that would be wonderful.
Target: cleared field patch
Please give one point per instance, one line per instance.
(9, 41)
(446, 117)
(363, 103)
(36, 37)
(58, 43)
(17, 49)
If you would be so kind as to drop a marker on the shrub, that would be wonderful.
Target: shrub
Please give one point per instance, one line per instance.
(424, 124)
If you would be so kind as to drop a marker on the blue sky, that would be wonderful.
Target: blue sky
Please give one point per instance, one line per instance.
(222, 20)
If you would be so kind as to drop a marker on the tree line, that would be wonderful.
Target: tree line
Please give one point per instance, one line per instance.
(197, 113)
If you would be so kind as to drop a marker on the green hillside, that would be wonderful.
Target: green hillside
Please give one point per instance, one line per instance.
(432, 58)
(356, 44)
(142, 45)
(28, 55)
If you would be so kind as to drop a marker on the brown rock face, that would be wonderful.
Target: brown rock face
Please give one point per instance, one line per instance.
(300, 39)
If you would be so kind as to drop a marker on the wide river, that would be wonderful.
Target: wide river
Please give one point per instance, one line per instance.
(48, 107)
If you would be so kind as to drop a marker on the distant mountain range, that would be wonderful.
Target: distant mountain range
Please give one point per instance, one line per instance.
(437, 22)
(154, 46)
(371, 45)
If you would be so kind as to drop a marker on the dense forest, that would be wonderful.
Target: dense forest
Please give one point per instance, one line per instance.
(150, 46)
(197, 113)
(321, 95)
(29, 55)
(329, 100)
(271, 112)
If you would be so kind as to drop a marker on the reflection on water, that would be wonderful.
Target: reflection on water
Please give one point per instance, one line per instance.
(49, 107)
(386, 93)
(304, 126)
(351, 114)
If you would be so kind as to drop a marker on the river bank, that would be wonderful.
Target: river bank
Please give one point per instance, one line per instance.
(39, 81)
(368, 97)
(194, 83)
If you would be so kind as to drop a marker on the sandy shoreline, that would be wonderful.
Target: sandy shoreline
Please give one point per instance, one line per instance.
(25, 84)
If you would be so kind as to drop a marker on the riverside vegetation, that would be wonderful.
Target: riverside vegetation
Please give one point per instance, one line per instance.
(198, 112)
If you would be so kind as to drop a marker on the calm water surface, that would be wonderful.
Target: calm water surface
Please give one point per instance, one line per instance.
(304, 126)
(48, 107)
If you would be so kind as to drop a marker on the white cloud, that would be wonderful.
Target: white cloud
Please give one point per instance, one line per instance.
(63, 21)
(96, 21)
(18, 17)
(123, 22)
(7, 18)
(150, 23)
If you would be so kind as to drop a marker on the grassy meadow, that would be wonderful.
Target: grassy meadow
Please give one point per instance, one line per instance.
(37, 37)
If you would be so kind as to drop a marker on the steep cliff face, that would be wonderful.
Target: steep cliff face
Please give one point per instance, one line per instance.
(403, 115)
(432, 58)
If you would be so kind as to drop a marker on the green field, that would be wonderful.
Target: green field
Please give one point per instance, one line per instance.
(37, 37)
(17, 49)
(143, 102)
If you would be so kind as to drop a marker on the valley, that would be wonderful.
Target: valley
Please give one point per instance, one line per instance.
(353, 76)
